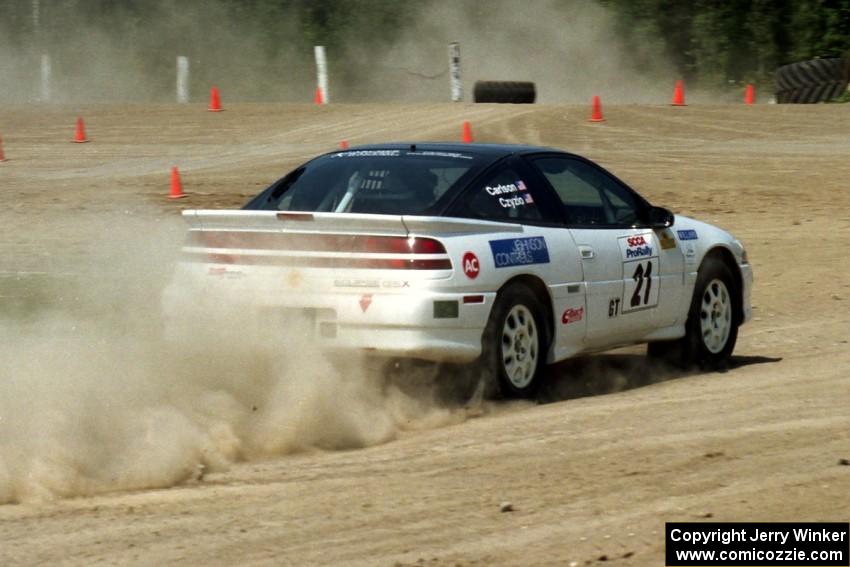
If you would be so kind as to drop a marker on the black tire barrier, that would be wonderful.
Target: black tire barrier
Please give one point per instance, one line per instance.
(809, 82)
(510, 92)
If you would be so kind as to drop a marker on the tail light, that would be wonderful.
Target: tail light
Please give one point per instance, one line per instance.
(398, 245)
(243, 243)
(214, 240)
(397, 264)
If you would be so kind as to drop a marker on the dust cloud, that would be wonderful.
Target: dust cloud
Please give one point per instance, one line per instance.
(98, 393)
(571, 49)
(119, 55)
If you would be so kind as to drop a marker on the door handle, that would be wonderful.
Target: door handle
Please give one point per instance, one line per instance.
(586, 252)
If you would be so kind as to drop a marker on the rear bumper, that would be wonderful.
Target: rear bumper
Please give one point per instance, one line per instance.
(437, 344)
(414, 324)
(419, 324)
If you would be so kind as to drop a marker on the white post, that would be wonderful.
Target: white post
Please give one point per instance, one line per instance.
(45, 78)
(182, 79)
(322, 71)
(454, 71)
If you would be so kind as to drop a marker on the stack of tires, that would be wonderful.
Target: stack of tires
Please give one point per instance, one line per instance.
(510, 92)
(816, 80)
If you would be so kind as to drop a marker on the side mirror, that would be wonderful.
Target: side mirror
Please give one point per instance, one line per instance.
(659, 217)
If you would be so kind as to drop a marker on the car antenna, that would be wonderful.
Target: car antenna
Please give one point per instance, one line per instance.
(412, 147)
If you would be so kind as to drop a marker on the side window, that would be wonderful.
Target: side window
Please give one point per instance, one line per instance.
(503, 196)
(589, 196)
(623, 205)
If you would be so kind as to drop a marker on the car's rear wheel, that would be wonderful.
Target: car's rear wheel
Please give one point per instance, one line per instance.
(712, 327)
(515, 344)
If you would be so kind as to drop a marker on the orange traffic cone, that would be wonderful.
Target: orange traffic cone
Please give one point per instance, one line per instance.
(319, 97)
(749, 95)
(679, 94)
(596, 113)
(80, 135)
(2, 155)
(343, 145)
(215, 101)
(176, 185)
(467, 133)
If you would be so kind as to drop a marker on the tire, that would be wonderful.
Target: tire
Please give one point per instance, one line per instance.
(511, 92)
(809, 82)
(711, 330)
(514, 344)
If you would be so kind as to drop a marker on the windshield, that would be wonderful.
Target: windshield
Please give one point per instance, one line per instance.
(393, 182)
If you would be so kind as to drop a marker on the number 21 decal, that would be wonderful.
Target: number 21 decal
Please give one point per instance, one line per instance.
(640, 290)
(640, 276)
(640, 272)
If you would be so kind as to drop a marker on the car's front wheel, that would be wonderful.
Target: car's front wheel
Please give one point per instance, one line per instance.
(712, 327)
(515, 343)
(714, 317)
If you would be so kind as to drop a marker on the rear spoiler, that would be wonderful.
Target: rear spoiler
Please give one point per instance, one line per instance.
(340, 223)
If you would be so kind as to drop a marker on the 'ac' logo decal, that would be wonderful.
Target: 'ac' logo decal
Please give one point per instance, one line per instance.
(471, 267)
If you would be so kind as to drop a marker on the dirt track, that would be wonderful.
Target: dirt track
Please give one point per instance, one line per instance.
(595, 473)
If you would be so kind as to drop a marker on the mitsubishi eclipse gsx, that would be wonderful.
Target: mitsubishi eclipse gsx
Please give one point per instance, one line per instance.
(510, 257)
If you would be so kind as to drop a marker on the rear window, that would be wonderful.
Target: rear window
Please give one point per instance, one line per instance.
(370, 181)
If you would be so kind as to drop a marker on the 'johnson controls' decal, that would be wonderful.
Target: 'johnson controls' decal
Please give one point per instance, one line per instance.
(519, 251)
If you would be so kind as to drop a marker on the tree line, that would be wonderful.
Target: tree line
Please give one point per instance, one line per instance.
(709, 43)
(736, 40)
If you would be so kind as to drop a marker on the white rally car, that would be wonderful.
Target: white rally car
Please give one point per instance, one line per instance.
(512, 256)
